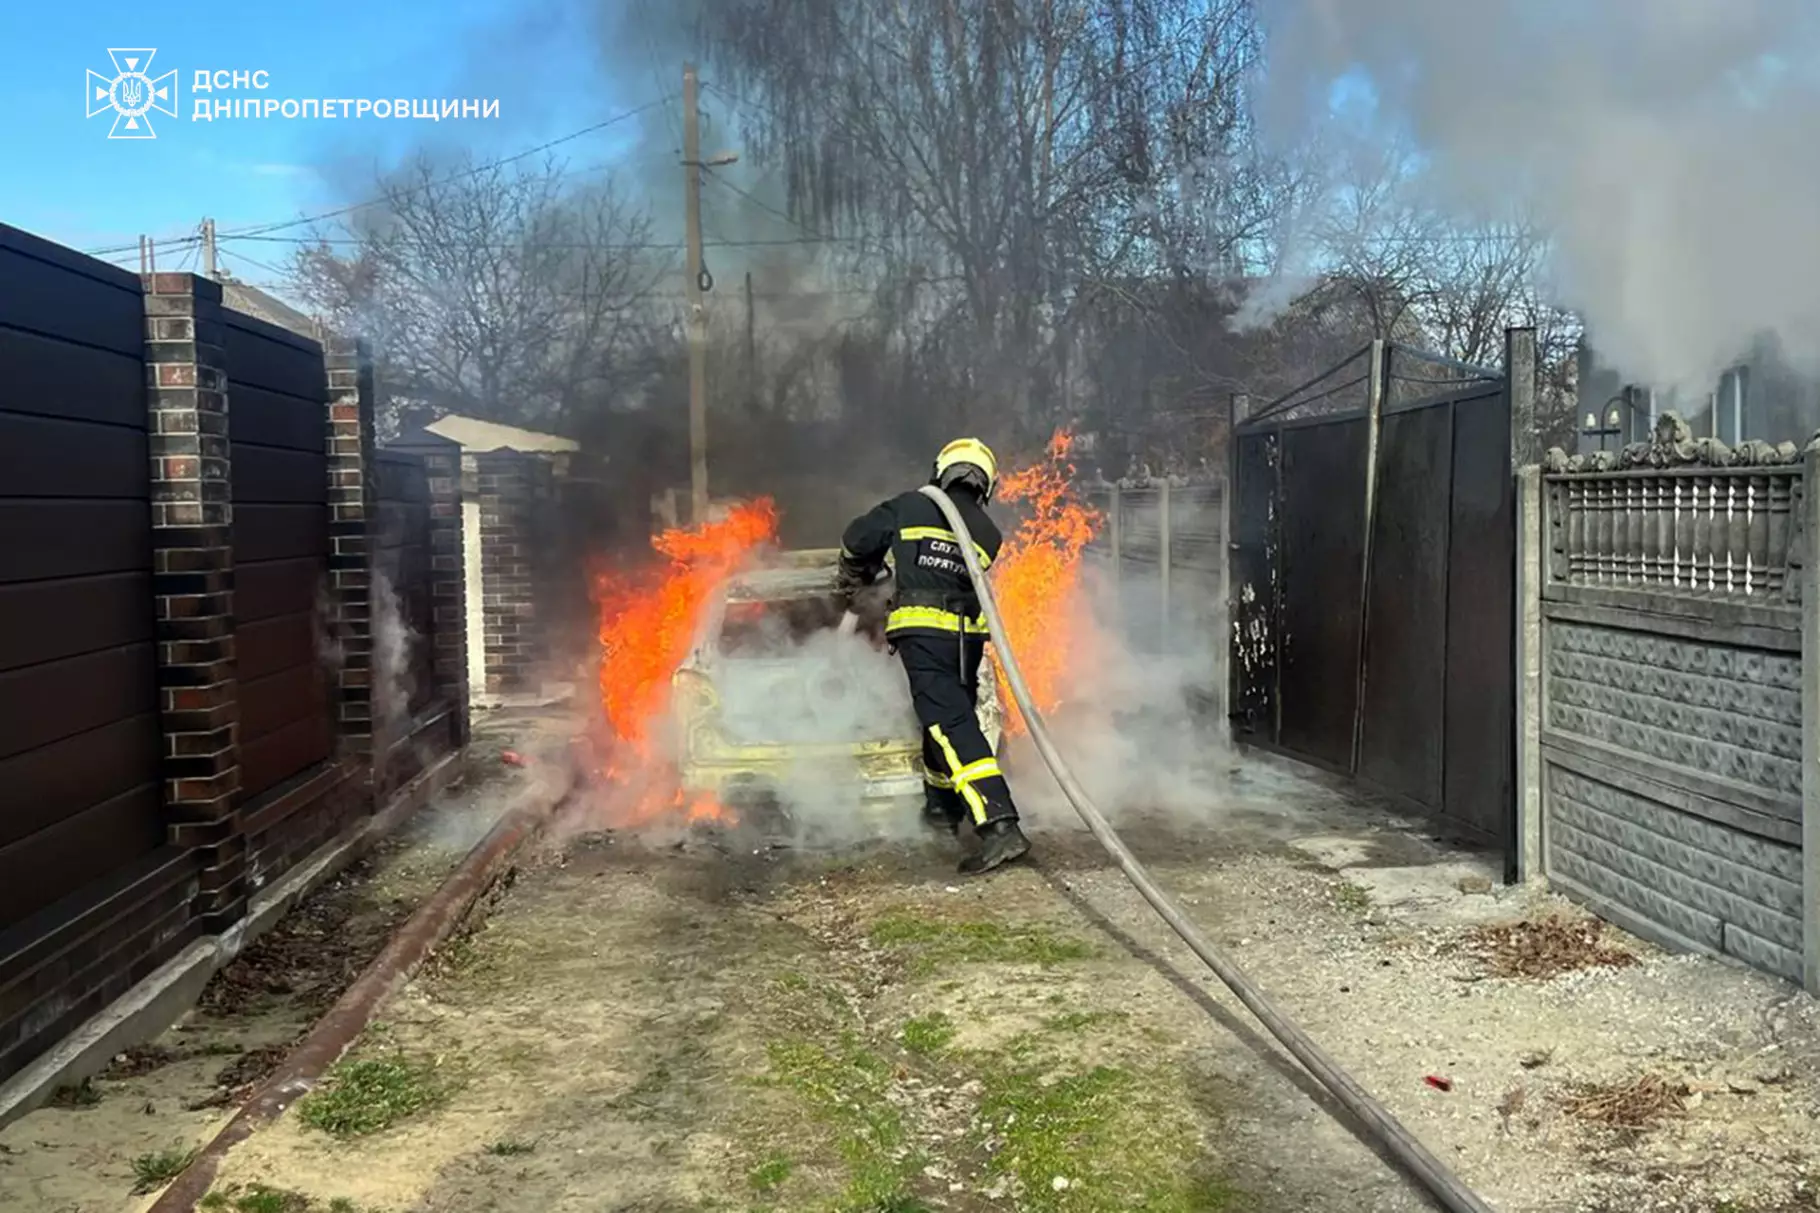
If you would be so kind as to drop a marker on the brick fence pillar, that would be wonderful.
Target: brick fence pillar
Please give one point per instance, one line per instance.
(514, 490)
(352, 501)
(193, 584)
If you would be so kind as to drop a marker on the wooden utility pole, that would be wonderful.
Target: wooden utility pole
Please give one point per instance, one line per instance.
(698, 312)
(208, 248)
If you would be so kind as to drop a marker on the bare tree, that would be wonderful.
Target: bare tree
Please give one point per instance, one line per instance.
(1017, 151)
(501, 292)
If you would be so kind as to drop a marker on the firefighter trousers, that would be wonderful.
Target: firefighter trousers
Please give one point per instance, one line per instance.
(958, 764)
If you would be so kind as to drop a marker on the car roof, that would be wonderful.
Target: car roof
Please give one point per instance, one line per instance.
(783, 575)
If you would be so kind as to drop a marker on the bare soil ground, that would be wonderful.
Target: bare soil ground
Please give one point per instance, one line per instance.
(94, 1144)
(632, 1028)
(659, 1030)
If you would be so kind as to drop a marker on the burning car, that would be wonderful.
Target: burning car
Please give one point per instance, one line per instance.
(775, 705)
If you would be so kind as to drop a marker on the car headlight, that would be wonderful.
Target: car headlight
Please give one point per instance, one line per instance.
(693, 695)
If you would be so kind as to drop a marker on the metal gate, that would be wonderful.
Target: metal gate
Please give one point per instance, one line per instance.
(1372, 570)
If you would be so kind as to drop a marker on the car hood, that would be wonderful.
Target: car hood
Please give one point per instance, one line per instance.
(848, 693)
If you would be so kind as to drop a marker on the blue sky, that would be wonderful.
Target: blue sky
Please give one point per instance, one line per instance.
(64, 179)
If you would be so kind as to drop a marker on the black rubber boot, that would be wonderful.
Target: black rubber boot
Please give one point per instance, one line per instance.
(1000, 843)
(943, 812)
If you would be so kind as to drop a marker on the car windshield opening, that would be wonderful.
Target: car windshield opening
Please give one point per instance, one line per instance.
(776, 627)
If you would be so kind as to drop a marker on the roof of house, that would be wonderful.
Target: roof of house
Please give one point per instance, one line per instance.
(474, 434)
(481, 436)
(255, 302)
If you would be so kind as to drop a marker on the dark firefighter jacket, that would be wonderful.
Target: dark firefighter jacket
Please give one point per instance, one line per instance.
(908, 532)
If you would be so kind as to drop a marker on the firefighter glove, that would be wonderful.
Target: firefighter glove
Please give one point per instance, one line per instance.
(851, 579)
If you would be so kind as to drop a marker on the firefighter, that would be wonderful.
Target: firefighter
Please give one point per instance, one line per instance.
(936, 629)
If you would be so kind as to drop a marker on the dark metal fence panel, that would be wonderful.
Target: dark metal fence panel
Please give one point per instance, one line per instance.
(278, 438)
(401, 557)
(1255, 584)
(1480, 789)
(79, 742)
(92, 897)
(1401, 731)
(99, 721)
(405, 690)
(1391, 659)
(1321, 558)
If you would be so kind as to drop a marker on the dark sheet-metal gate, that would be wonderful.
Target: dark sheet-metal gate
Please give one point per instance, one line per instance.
(1372, 570)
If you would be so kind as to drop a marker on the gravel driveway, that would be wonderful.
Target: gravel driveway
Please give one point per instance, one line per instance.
(693, 1027)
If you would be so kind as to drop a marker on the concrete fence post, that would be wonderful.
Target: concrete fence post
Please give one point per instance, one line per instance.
(1527, 613)
(352, 501)
(1810, 723)
(1529, 501)
(1520, 379)
(193, 585)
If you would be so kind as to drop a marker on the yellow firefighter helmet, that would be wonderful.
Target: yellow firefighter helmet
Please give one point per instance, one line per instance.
(967, 460)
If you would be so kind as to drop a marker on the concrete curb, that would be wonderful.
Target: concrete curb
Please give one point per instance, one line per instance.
(158, 1001)
(336, 1031)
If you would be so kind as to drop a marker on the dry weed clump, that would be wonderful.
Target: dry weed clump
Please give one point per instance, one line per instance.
(1633, 1106)
(1543, 948)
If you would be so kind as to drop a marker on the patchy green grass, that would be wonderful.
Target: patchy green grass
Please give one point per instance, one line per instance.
(153, 1171)
(1081, 1021)
(931, 943)
(510, 1147)
(1354, 898)
(854, 1093)
(371, 1094)
(845, 1086)
(928, 1034)
(458, 956)
(1092, 1142)
(258, 1198)
(82, 1094)
(769, 1175)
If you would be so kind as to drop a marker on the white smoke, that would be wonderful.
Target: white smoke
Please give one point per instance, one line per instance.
(827, 691)
(824, 687)
(1667, 146)
(1136, 729)
(393, 679)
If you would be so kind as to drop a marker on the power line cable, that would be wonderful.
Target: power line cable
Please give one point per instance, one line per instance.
(262, 229)
(254, 261)
(671, 119)
(629, 245)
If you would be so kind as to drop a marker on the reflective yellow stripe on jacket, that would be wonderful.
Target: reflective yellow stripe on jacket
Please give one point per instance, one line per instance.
(914, 533)
(934, 618)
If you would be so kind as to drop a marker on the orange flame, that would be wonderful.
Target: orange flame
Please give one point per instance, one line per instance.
(648, 621)
(1037, 579)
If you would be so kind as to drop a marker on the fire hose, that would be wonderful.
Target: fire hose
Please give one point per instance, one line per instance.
(1446, 1187)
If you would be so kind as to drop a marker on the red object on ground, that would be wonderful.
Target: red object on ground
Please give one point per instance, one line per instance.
(512, 758)
(1438, 1083)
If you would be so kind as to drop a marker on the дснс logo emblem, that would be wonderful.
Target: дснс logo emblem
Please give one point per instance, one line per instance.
(132, 94)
